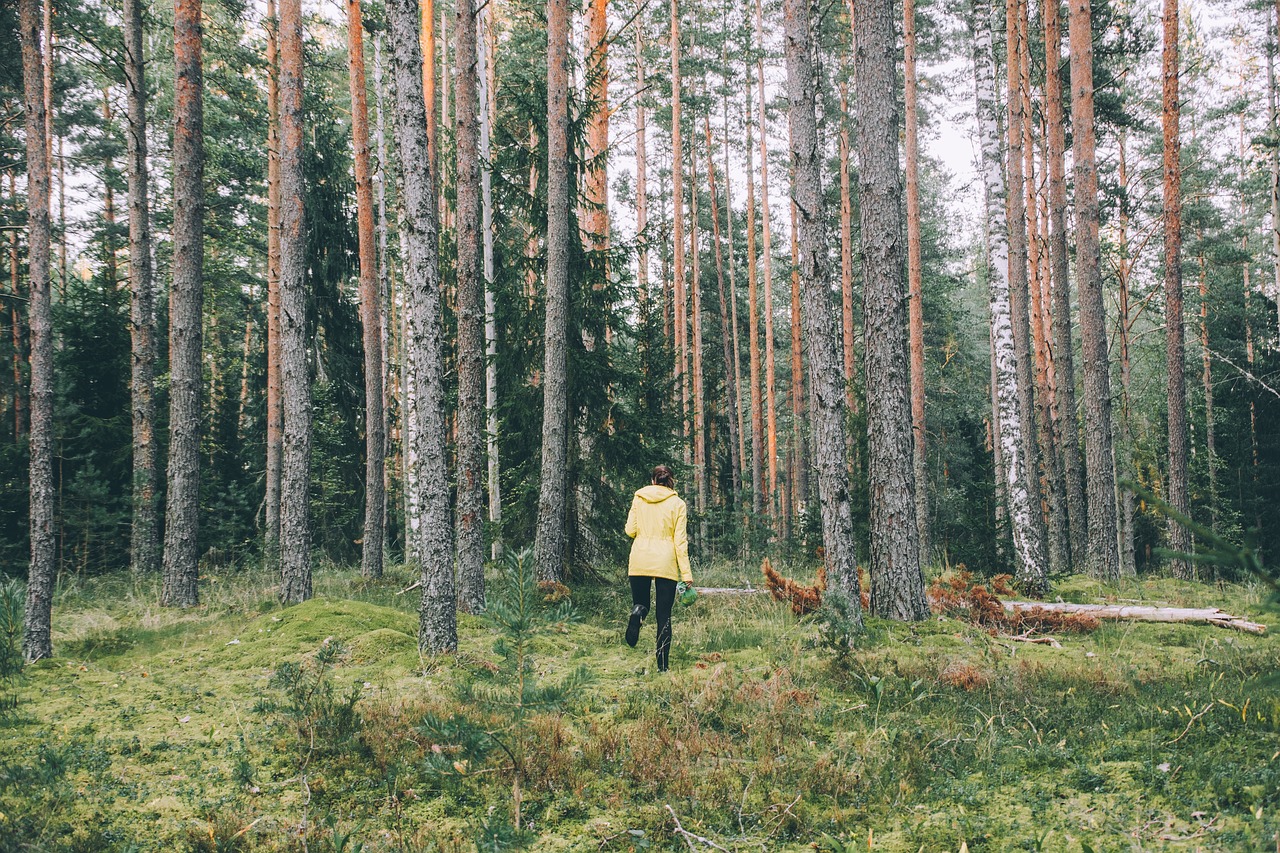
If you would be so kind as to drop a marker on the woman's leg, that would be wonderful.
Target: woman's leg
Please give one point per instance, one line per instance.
(666, 598)
(639, 607)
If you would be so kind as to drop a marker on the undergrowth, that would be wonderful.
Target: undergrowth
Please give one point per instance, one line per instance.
(241, 725)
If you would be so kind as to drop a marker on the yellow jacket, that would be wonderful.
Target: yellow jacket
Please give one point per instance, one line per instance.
(657, 522)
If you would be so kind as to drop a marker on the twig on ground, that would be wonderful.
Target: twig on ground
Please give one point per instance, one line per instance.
(1030, 638)
(410, 588)
(690, 837)
(1191, 722)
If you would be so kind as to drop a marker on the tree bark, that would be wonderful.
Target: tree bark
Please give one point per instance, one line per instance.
(596, 183)
(1274, 123)
(799, 459)
(37, 640)
(295, 474)
(1033, 572)
(470, 459)
(427, 38)
(679, 297)
(488, 109)
(1176, 390)
(275, 408)
(549, 543)
(739, 422)
(771, 408)
(826, 391)
(758, 482)
(144, 544)
(15, 319)
(897, 583)
(700, 472)
(1125, 324)
(370, 308)
(846, 252)
(186, 297)
(1008, 420)
(1060, 286)
(915, 293)
(1100, 473)
(424, 344)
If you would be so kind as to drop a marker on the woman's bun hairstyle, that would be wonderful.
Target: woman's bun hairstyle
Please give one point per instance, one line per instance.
(663, 476)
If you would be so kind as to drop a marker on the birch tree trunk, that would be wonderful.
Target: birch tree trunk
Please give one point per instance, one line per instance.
(826, 391)
(1007, 428)
(1033, 573)
(392, 401)
(186, 297)
(375, 419)
(144, 545)
(915, 293)
(1100, 473)
(1060, 285)
(470, 482)
(424, 343)
(275, 409)
(549, 543)
(897, 584)
(488, 109)
(37, 640)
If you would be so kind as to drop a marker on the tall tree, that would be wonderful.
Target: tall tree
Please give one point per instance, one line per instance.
(186, 299)
(915, 291)
(1060, 287)
(549, 543)
(295, 473)
(1100, 472)
(144, 539)
(375, 420)
(488, 109)
(679, 297)
(1007, 420)
(771, 407)
(758, 482)
(470, 459)
(36, 630)
(826, 391)
(1033, 572)
(897, 583)
(1273, 122)
(424, 344)
(275, 408)
(726, 325)
(427, 37)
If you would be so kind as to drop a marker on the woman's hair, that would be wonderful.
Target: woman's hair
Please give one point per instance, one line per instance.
(663, 476)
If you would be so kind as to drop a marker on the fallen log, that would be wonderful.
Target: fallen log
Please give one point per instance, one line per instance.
(1136, 613)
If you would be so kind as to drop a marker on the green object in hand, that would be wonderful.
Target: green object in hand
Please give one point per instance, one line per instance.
(686, 593)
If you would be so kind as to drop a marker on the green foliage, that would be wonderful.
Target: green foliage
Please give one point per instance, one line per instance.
(13, 596)
(495, 729)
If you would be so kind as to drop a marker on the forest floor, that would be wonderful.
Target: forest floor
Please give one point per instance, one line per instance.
(156, 729)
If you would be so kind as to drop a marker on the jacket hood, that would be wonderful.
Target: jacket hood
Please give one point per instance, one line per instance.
(655, 494)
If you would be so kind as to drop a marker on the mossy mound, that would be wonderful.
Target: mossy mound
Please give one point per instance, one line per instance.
(380, 644)
(274, 636)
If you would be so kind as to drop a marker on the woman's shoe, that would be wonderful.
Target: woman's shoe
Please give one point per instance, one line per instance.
(633, 624)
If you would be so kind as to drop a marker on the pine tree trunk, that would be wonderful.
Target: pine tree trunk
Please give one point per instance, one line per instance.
(427, 39)
(37, 640)
(596, 183)
(392, 401)
(1274, 124)
(846, 254)
(758, 482)
(915, 293)
(1176, 391)
(275, 408)
(109, 200)
(1060, 286)
(1124, 266)
(1008, 420)
(549, 545)
(799, 460)
(679, 296)
(424, 343)
(736, 373)
(1100, 473)
(488, 110)
(642, 174)
(897, 584)
(771, 407)
(470, 482)
(375, 423)
(826, 391)
(726, 326)
(144, 545)
(186, 296)
(700, 473)
(295, 381)
(1032, 572)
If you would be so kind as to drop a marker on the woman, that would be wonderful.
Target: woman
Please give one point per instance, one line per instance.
(660, 554)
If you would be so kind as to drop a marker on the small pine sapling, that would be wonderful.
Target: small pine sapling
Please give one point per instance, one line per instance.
(496, 731)
(13, 595)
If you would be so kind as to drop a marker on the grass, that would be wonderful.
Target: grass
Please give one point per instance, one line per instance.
(170, 730)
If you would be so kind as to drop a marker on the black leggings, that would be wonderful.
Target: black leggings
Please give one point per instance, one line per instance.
(666, 598)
